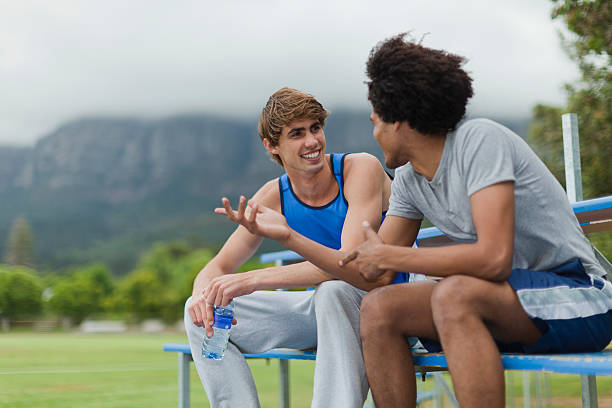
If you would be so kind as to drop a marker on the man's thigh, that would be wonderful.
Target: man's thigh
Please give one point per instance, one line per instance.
(406, 307)
(534, 311)
(496, 303)
(271, 319)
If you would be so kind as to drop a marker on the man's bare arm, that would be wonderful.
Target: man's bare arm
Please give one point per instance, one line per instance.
(223, 289)
(396, 230)
(238, 248)
(366, 188)
(263, 221)
(489, 258)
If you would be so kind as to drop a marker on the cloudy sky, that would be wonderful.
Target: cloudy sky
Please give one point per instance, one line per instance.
(64, 59)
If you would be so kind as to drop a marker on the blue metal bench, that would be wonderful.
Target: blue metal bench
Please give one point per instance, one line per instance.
(594, 215)
(185, 357)
(587, 365)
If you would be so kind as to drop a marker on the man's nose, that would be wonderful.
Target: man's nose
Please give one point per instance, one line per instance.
(311, 139)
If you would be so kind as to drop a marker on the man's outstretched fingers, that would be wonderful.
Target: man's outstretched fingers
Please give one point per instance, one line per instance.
(228, 209)
(241, 207)
(220, 210)
(253, 214)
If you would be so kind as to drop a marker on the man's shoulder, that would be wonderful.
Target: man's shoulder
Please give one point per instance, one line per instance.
(476, 123)
(270, 184)
(364, 176)
(269, 194)
(483, 128)
(364, 162)
(483, 135)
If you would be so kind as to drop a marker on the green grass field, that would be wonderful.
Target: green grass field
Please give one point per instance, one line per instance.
(129, 370)
(125, 370)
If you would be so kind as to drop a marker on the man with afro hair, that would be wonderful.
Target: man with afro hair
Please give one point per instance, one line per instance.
(520, 277)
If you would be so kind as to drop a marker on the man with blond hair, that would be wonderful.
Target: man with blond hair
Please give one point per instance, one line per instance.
(325, 197)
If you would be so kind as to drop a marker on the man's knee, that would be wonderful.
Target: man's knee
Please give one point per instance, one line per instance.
(453, 299)
(337, 293)
(376, 315)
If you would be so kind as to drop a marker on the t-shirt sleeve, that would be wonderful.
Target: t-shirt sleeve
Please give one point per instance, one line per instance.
(486, 153)
(400, 202)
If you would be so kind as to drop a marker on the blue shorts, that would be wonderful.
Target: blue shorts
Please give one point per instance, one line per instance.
(571, 308)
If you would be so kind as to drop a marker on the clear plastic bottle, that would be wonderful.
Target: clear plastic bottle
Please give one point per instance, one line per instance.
(214, 347)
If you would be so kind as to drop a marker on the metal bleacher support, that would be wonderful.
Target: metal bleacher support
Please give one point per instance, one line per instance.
(283, 374)
(573, 187)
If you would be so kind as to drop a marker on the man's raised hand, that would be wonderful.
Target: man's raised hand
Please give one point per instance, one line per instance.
(257, 219)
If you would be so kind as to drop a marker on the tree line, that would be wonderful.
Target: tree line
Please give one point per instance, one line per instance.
(157, 288)
(162, 279)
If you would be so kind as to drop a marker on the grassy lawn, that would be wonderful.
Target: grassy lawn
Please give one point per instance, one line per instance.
(129, 370)
(125, 370)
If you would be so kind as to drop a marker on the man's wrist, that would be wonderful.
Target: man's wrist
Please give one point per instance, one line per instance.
(253, 279)
(286, 242)
(389, 258)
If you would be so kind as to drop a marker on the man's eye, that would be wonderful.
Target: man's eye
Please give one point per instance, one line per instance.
(315, 128)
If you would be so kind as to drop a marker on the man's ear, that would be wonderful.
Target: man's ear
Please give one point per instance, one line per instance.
(269, 147)
(396, 125)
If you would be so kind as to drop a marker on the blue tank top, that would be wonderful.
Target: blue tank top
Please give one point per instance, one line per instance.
(321, 224)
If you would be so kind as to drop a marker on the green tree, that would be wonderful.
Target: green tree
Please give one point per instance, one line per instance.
(19, 247)
(163, 257)
(143, 295)
(589, 44)
(82, 293)
(20, 293)
(186, 270)
(162, 282)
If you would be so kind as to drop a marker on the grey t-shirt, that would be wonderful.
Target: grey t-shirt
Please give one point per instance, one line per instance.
(481, 153)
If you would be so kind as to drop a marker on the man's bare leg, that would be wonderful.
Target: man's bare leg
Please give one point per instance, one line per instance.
(468, 314)
(387, 314)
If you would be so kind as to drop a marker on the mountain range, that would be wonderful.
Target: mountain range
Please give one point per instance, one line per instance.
(104, 189)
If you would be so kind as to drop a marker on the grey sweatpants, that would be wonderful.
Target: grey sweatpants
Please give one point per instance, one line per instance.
(327, 318)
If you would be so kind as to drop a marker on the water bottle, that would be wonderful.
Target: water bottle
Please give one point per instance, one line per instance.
(214, 347)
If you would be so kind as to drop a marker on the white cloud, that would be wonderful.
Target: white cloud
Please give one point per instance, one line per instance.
(63, 59)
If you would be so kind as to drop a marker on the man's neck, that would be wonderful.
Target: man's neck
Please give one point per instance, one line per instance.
(426, 153)
(315, 189)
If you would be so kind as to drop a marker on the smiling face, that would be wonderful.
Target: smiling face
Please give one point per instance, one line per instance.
(301, 146)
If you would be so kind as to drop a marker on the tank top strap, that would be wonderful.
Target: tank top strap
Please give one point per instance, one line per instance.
(283, 189)
(337, 164)
(283, 182)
